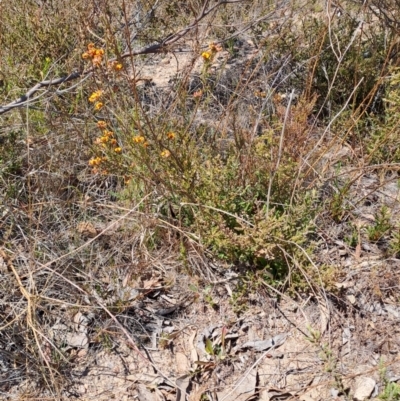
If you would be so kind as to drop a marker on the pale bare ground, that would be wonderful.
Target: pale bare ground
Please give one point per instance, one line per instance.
(302, 350)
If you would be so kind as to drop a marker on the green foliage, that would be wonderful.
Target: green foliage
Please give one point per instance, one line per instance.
(353, 238)
(391, 390)
(314, 337)
(381, 225)
(338, 204)
(394, 242)
(10, 148)
(383, 144)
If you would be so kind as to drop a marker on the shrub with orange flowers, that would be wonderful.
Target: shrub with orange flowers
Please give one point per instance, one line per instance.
(185, 164)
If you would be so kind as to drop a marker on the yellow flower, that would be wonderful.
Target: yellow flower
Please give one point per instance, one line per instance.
(108, 134)
(113, 142)
(198, 94)
(95, 161)
(95, 54)
(171, 135)
(103, 139)
(95, 96)
(206, 56)
(98, 106)
(114, 65)
(101, 124)
(165, 153)
(138, 139)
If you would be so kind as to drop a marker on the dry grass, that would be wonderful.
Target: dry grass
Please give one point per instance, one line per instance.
(256, 153)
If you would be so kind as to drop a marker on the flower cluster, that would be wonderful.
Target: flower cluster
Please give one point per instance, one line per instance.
(213, 49)
(96, 164)
(93, 54)
(139, 139)
(107, 142)
(96, 161)
(107, 138)
(94, 98)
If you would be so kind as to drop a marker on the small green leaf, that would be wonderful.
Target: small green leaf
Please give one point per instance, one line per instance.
(209, 347)
(193, 288)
